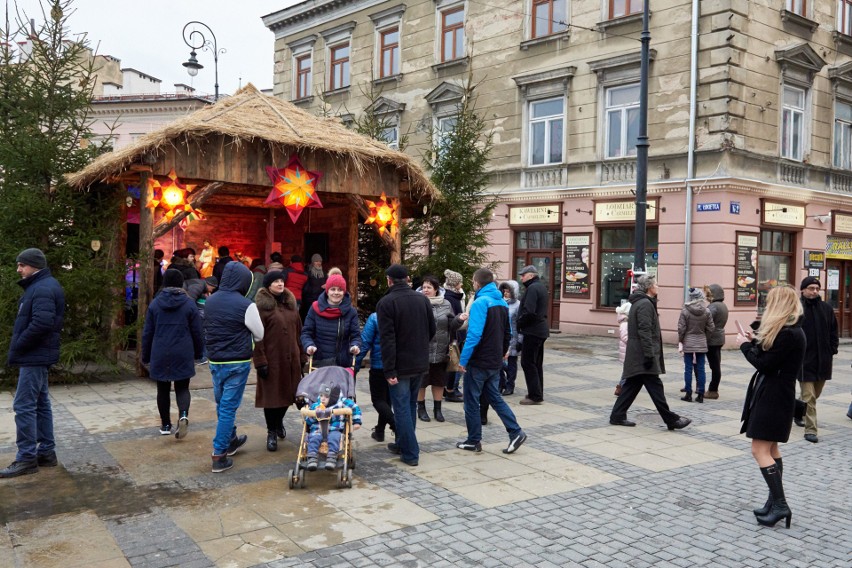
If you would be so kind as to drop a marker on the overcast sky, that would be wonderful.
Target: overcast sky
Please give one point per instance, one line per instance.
(146, 35)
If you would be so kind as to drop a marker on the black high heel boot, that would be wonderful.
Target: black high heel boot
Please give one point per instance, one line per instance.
(421, 411)
(779, 509)
(765, 509)
(439, 416)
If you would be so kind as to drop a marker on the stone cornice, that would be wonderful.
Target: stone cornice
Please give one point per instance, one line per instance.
(310, 15)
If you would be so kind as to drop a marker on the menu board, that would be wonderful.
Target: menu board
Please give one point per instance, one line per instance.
(745, 286)
(576, 266)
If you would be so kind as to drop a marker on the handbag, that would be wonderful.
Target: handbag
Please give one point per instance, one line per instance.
(453, 361)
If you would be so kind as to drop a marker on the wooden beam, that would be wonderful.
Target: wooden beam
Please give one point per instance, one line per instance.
(200, 197)
(146, 263)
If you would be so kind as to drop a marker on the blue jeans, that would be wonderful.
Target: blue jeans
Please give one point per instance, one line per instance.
(509, 373)
(404, 403)
(315, 439)
(229, 383)
(700, 376)
(33, 414)
(477, 381)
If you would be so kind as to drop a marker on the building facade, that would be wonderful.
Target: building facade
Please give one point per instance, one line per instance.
(750, 127)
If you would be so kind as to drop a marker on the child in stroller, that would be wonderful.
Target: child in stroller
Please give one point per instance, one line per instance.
(328, 427)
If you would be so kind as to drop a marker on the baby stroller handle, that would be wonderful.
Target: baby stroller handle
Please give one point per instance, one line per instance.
(307, 413)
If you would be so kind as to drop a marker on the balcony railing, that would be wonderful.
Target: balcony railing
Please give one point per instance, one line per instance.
(618, 171)
(793, 174)
(841, 182)
(538, 178)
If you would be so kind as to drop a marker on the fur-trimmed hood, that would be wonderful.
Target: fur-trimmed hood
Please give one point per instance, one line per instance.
(266, 301)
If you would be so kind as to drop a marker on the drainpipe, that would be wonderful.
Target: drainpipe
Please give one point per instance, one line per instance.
(690, 160)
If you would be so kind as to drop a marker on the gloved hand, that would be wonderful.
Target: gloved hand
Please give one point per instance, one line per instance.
(311, 350)
(263, 371)
(648, 362)
(354, 350)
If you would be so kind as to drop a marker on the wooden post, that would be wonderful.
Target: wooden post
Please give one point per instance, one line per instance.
(270, 236)
(146, 262)
(352, 278)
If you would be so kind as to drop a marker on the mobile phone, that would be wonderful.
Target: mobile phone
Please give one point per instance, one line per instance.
(741, 329)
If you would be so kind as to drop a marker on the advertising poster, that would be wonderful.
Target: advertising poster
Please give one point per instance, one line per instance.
(576, 265)
(745, 291)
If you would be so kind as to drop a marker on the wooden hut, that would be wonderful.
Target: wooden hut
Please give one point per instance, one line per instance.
(225, 149)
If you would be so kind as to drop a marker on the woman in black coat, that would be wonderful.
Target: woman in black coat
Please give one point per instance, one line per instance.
(776, 351)
(171, 343)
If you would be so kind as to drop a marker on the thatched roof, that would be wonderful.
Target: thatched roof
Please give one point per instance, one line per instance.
(249, 116)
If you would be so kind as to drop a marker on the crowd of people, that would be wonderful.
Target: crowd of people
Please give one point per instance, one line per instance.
(238, 313)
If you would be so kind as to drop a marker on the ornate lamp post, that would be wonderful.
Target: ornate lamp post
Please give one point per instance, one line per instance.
(197, 40)
(642, 147)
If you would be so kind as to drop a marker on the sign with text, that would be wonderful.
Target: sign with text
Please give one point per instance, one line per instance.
(745, 286)
(623, 211)
(783, 214)
(576, 265)
(814, 259)
(841, 223)
(535, 215)
(708, 207)
(838, 247)
(735, 207)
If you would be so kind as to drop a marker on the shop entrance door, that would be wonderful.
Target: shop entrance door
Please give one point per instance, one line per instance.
(838, 293)
(549, 265)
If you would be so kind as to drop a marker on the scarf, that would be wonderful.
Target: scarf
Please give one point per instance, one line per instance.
(316, 272)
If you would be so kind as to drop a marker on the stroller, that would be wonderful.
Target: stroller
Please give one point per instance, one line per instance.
(307, 393)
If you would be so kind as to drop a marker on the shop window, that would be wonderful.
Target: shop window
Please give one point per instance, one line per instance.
(338, 66)
(619, 8)
(549, 17)
(389, 52)
(797, 7)
(617, 250)
(303, 76)
(546, 131)
(792, 123)
(842, 135)
(775, 263)
(844, 16)
(622, 120)
(452, 33)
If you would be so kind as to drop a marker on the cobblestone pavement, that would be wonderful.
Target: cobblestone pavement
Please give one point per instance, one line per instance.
(578, 493)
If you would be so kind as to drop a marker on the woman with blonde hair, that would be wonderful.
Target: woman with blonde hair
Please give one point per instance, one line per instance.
(776, 350)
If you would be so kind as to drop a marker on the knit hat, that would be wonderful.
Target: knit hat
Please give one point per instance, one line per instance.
(181, 253)
(453, 279)
(696, 295)
(172, 279)
(32, 257)
(644, 282)
(335, 280)
(316, 257)
(212, 281)
(275, 266)
(809, 280)
(529, 269)
(397, 272)
(272, 276)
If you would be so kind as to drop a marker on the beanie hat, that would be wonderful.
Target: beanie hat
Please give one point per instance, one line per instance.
(453, 279)
(809, 280)
(275, 266)
(316, 257)
(212, 281)
(189, 251)
(172, 279)
(335, 280)
(32, 257)
(397, 272)
(181, 253)
(696, 295)
(644, 282)
(272, 276)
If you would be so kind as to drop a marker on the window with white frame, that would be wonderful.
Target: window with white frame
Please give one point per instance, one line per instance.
(446, 126)
(546, 132)
(622, 120)
(797, 6)
(303, 76)
(389, 52)
(619, 8)
(844, 16)
(302, 51)
(338, 65)
(548, 17)
(843, 135)
(390, 134)
(452, 33)
(793, 123)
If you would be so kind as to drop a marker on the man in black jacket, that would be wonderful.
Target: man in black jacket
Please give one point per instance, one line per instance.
(532, 324)
(406, 326)
(820, 327)
(224, 258)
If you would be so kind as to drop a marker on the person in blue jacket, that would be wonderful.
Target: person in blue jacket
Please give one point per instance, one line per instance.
(331, 333)
(171, 343)
(34, 347)
(379, 389)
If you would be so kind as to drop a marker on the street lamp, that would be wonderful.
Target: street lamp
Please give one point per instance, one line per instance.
(197, 40)
(642, 147)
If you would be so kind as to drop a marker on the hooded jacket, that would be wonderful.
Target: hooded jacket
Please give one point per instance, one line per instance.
(333, 330)
(644, 339)
(514, 311)
(621, 317)
(719, 312)
(694, 326)
(444, 330)
(171, 338)
(280, 351)
(488, 330)
(820, 327)
(295, 279)
(232, 320)
(185, 267)
(41, 313)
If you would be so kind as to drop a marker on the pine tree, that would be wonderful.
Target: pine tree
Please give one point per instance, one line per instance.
(454, 232)
(45, 97)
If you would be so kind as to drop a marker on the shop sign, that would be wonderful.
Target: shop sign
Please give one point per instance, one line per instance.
(745, 287)
(814, 259)
(576, 265)
(842, 223)
(535, 215)
(783, 214)
(833, 280)
(838, 247)
(623, 211)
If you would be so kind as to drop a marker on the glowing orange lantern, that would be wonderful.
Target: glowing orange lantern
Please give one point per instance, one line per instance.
(170, 195)
(294, 187)
(384, 214)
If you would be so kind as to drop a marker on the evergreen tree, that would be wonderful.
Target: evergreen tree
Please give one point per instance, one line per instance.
(454, 232)
(46, 79)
